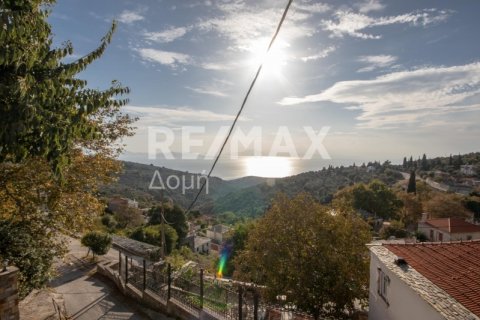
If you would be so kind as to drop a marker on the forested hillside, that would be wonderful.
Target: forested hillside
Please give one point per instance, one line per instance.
(247, 196)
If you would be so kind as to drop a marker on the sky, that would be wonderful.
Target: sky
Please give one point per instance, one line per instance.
(345, 82)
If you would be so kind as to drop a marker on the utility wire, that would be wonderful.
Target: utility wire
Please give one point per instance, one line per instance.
(242, 106)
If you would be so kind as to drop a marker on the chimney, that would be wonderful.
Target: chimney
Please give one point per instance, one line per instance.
(424, 217)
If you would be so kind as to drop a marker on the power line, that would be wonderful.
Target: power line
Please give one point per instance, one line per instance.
(252, 84)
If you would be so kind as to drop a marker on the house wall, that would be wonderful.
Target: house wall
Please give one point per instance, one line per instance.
(427, 229)
(215, 235)
(404, 302)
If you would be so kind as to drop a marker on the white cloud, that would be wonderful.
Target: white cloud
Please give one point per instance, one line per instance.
(308, 6)
(130, 17)
(167, 35)
(322, 54)
(163, 115)
(376, 62)
(217, 66)
(215, 87)
(420, 96)
(353, 24)
(243, 25)
(207, 91)
(171, 59)
(370, 5)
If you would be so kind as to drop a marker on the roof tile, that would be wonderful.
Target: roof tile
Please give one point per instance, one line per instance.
(452, 266)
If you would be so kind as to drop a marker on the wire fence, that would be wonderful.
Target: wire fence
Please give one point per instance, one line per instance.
(195, 292)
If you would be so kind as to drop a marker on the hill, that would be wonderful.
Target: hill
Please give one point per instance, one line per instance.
(248, 196)
(135, 180)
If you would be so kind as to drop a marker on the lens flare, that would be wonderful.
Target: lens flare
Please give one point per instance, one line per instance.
(222, 262)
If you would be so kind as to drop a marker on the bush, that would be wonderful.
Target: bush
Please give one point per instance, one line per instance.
(396, 229)
(421, 237)
(98, 242)
(153, 235)
(109, 221)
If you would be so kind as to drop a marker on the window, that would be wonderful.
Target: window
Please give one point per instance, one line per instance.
(383, 282)
(440, 236)
(431, 235)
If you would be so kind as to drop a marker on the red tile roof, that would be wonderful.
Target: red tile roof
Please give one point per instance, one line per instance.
(453, 225)
(452, 266)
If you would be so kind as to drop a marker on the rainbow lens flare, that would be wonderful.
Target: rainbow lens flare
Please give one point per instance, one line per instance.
(222, 262)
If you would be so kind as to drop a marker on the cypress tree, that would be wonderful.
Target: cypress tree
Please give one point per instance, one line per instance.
(424, 163)
(412, 184)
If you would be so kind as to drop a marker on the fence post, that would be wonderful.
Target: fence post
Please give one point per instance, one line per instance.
(120, 262)
(255, 305)
(169, 281)
(201, 288)
(240, 303)
(144, 275)
(126, 269)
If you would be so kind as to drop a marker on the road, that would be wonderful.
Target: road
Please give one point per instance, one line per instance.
(89, 296)
(435, 185)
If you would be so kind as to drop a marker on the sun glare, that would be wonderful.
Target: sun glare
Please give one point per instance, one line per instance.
(268, 167)
(273, 60)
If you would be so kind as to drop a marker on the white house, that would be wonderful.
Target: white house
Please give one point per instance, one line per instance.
(199, 244)
(427, 281)
(467, 169)
(217, 233)
(448, 229)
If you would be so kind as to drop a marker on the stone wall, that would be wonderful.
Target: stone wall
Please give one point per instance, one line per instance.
(9, 294)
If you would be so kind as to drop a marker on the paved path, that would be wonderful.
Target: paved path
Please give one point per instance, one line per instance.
(87, 295)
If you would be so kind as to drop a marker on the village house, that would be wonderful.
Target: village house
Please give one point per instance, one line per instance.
(428, 281)
(117, 203)
(448, 229)
(217, 233)
(199, 244)
(467, 169)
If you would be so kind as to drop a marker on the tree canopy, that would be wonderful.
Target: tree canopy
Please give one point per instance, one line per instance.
(314, 255)
(58, 139)
(46, 110)
(153, 235)
(174, 215)
(98, 242)
(375, 197)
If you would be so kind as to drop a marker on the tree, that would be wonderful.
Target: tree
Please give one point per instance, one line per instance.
(412, 184)
(235, 243)
(98, 242)
(375, 198)
(314, 256)
(174, 215)
(45, 109)
(424, 163)
(405, 164)
(411, 210)
(128, 217)
(153, 235)
(58, 139)
(446, 205)
(395, 229)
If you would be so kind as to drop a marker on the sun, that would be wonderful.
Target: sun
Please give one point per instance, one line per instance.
(268, 167)
(274, 60)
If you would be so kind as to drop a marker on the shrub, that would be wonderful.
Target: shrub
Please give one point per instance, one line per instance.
(98, 242)
(421, 237)
(396, 229)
